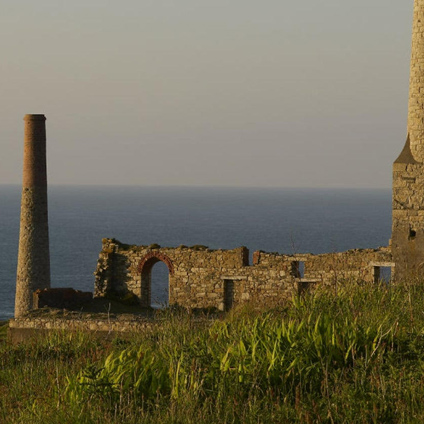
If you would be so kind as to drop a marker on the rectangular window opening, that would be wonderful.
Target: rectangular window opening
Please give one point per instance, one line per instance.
(228, 294)
(298, 269)
(383, 274)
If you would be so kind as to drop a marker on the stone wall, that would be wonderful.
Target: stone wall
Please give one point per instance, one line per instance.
(408, 216)
(203, 278)
(23, 328)
(61, 298)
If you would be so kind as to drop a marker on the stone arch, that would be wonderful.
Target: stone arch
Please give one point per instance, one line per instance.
(145, 269)
(153, 257)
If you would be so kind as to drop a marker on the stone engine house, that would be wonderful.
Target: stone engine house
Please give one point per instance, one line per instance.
(203, 278)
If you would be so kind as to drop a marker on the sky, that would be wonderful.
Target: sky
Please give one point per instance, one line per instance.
(269, 93)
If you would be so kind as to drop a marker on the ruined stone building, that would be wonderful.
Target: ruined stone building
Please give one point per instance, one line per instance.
(204, 278)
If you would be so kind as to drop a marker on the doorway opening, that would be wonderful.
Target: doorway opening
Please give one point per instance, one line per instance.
(228, 294)
(155, 269)
(159, 286)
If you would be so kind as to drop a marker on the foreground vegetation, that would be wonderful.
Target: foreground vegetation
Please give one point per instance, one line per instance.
(351, 355)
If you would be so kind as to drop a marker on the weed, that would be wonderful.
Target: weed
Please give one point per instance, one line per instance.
(353, 355)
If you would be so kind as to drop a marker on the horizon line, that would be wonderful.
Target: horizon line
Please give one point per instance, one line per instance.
(159, 186)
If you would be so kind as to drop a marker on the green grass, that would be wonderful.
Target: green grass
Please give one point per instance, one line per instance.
(3, 331)
(355, 355)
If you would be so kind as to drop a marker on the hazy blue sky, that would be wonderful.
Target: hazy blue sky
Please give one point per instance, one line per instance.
(283, 93)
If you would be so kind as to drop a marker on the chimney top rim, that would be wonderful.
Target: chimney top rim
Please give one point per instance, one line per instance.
(34, 117)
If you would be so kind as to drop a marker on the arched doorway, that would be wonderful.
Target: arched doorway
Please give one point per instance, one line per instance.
(159, 283)
(153, 297)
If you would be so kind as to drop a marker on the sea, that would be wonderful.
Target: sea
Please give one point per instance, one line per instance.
(280, 220)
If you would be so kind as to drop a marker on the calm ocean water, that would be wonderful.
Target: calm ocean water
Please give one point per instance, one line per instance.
(275, 220)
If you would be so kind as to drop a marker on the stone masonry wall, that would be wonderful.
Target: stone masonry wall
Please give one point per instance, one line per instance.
(408, 219)
(205, 278)
(416, 84)
(23, 328)
(61, 298)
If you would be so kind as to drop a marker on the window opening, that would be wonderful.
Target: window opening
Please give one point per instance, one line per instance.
(298, 269)
(228, 294)
(382, 274)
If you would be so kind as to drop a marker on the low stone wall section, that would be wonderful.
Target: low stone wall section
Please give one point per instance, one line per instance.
(61, 298)
(22, 328)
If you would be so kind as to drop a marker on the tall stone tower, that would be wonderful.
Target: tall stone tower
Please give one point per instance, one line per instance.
(34, 256)
(408, 169)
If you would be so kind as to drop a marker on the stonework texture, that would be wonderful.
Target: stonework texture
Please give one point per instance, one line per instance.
(27, 326)
(416, 84)
(33, 271)
(407, 241)
(408, 220)
(204, 278)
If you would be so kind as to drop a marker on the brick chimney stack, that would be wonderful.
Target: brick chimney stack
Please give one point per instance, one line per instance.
(34, 256)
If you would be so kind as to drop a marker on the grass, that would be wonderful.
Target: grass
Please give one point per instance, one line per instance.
(355, 355)
(3, 331)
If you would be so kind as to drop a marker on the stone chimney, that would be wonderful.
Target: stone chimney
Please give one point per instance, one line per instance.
(416, 85)
(407, 242)
(34, 256)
